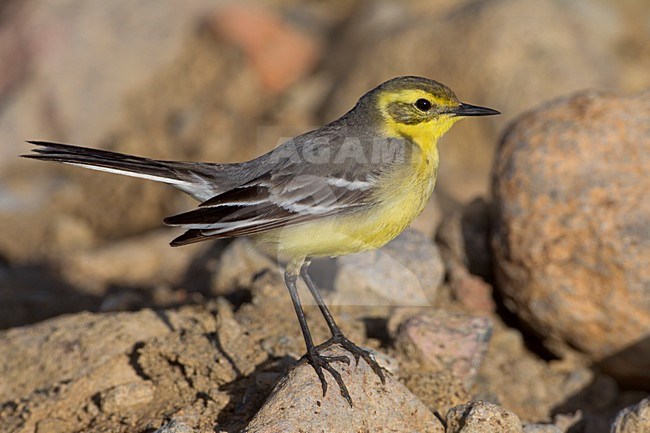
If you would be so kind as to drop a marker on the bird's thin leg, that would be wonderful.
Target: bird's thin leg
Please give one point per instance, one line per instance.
(334, 329)
(317, 361)
(337, 334)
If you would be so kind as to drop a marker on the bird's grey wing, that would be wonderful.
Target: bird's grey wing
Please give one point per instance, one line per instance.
(291, 195)
(316, 175)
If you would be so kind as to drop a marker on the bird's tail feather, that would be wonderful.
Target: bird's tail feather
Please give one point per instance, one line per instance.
(197, 179)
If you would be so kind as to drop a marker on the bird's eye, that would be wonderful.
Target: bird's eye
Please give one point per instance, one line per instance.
(423, 104)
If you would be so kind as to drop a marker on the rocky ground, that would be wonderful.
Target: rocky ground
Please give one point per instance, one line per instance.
(519, 302)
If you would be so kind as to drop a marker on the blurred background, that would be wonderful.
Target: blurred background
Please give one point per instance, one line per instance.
(219, 81)
(226, 81)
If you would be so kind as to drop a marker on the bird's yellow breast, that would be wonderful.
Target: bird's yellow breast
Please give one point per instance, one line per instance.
(401, 196)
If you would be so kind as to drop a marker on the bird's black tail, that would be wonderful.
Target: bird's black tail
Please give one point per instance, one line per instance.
(200, 180)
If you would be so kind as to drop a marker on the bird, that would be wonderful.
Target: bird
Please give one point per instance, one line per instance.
(349, 186)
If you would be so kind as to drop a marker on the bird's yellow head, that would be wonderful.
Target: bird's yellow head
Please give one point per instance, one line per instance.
(420, 109)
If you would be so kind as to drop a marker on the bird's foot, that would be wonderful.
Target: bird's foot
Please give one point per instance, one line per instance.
(321, 362)
(357, 352)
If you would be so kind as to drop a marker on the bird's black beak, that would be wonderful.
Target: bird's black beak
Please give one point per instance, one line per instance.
(472, 110)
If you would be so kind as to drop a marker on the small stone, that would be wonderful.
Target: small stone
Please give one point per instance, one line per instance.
(297, 403)
(123, 397)
(174, 426)
(568, 422)
(482, 417)
(472, 292)
(633, 419)
(406, 272)
(442, 341)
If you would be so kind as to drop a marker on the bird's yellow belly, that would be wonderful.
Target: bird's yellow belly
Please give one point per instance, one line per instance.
(399, 203)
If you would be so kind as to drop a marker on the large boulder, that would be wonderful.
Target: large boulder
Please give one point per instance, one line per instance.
(570, 235)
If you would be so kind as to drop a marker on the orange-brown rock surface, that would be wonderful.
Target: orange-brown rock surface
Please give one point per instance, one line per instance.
(571, 239)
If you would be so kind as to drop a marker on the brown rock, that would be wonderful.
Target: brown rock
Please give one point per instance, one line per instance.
(238, 265)
(124, 396)
(297, 404)
(482, 417)
(71, 338)
(139, 261)
(64, 69)
(235, 341)
(570, 234)
(119, 372)
(441, 341)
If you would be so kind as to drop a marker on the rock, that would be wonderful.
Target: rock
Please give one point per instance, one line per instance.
(406, 271)
(473, 293)
(235, 341)
(440, 354)
(441, 341)
(124, 396)
(633, 419)
(280, 53)
(507, 69)
(297, 404)
(136, 262)
(174, 426)
(438, 390)
(84, 341)
(238, 265)
(122, 371)
(482, 417)
(571, 255)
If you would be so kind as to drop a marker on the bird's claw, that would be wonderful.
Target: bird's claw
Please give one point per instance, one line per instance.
(321, 362)
(357, 352)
